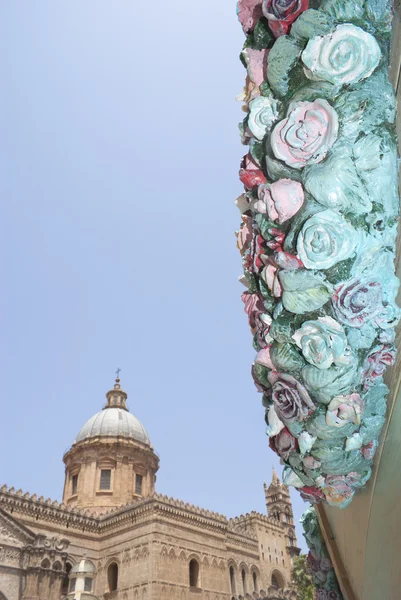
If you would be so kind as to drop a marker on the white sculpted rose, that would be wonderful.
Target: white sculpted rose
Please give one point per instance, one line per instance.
(263, 113)
(347, 55)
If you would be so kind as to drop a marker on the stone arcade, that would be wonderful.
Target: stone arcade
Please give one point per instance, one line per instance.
(114, 537)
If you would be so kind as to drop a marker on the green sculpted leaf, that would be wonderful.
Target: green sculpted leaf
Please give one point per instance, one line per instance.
(319, 428)
(311, 23)
(348, 462)
(282, 59)
(375, 400)
(325, 384)
(257, 151)
(369, 105)
(380, 14)
(276, 169)
(344, 11)
(281, 330)
(376, 161)
(335, 184)
(304, 291)
(261, 37)
(371, 428)
(261, 373)
(264, 226)
(286, 357)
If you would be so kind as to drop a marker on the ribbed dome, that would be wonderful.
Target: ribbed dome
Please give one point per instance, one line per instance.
(83, 566)
(113, 422)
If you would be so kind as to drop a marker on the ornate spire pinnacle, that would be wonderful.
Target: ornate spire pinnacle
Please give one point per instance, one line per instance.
(275, 478)
(117, 398)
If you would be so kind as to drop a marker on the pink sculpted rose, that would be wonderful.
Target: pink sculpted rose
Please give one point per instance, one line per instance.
(282, 13)
(283, 443)
(376, 364)
(306, 134)
(291, 400)
(281, 200)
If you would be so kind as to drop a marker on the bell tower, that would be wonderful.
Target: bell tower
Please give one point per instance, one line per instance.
(278, 501)
(279, 506)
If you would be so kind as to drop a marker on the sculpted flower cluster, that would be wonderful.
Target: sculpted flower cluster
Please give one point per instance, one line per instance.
(319, 213)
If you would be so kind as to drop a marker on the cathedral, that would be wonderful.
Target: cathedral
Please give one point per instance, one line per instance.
(114, 537)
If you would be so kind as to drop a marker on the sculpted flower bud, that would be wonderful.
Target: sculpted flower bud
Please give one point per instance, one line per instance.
(345, 56)
(344, 409)
(306, 134)
(281, 200)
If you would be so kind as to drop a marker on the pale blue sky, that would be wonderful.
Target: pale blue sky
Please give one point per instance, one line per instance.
(118, 174)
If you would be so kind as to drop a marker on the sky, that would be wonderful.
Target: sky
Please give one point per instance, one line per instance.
(119, 159)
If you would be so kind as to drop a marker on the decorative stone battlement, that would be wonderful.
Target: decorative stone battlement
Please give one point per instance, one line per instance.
(47, 510)
(270, 521)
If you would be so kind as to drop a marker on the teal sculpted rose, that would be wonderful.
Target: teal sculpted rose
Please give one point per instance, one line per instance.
(325, 239)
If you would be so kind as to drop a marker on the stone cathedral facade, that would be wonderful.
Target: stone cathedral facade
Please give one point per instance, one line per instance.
(114, 537)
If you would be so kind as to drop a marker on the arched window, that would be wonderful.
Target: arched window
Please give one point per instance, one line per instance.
(232, 580)
(112, 577)
(255, 581)
(243, 577)
(45, 564)
(57, 566)
(194, 573)
(64, 585)
(277, 580)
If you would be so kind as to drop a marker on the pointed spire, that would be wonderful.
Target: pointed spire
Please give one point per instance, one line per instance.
(275, 478)
(117, 398)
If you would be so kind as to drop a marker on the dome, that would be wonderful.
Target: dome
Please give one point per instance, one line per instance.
(114, 422)
(83, 566)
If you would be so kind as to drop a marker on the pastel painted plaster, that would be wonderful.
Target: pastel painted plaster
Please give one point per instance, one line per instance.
(319, 223)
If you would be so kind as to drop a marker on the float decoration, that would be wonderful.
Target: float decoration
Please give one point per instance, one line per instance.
(318, 562)
(319, 223)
